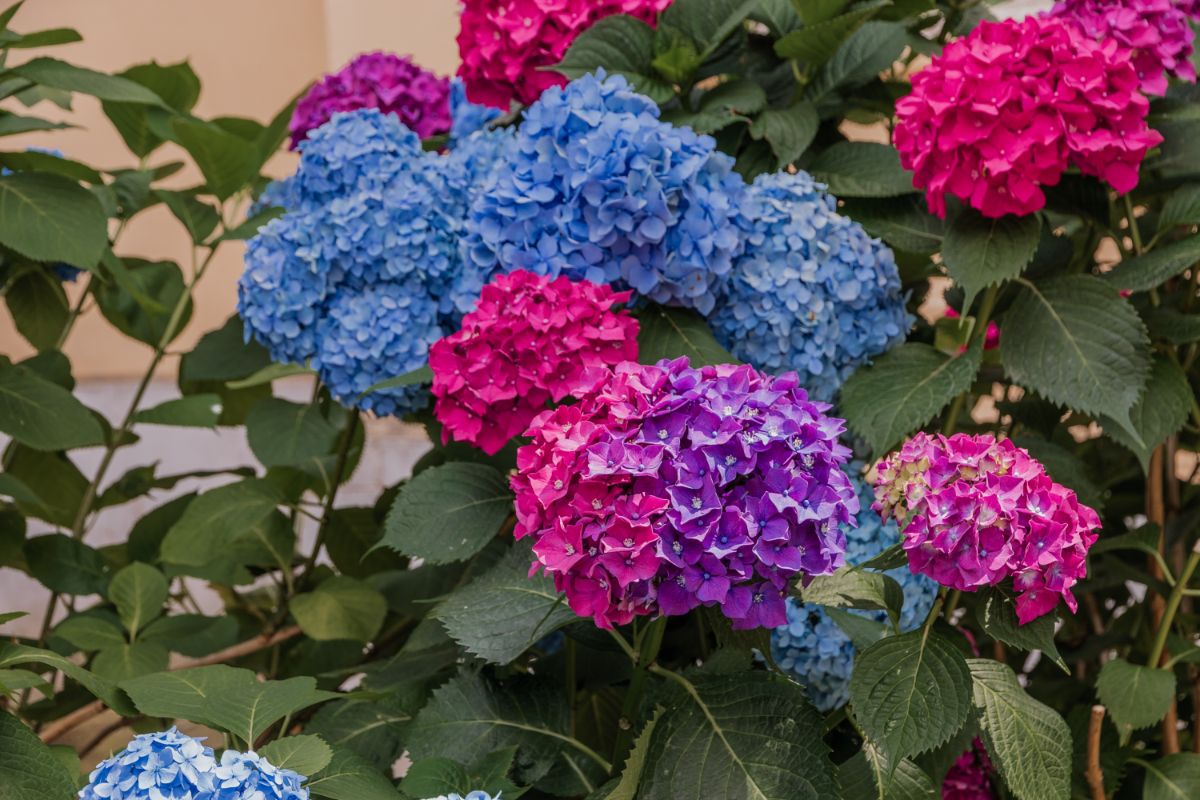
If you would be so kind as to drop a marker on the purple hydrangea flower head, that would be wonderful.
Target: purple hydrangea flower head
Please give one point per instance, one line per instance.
(1158, 32)
(812, 647)
(669, 487)
(811, 291)
(599, 188)
(167, 764)
(393, 84)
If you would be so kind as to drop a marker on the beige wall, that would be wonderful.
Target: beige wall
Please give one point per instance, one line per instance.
(252, 56)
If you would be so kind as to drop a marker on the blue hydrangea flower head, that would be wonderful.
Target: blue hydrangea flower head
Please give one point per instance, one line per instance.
(811, 291)
(599, 187)
(249, 776)
(812, 647)
(155, 765)
(467, 117)
(355, 151)
(475, 795)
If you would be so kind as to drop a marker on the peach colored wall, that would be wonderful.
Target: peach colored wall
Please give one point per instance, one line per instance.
(252, 56)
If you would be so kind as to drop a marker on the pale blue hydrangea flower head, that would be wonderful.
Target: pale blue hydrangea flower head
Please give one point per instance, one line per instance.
(811, 291)
(599, 187)
(475, 795)
(812, 647)
(167, 765)
(356, 151)
(467, 117)
(249, 776)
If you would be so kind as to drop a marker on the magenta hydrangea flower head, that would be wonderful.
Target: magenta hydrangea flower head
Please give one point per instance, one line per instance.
(970, 777)
(391, 83)
(1156, 31)
(975, 511)
(529, 341)
(669, 487)
(1002, 112)
(505, 45)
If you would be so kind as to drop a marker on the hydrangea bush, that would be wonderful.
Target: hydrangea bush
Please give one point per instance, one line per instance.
(805, 395)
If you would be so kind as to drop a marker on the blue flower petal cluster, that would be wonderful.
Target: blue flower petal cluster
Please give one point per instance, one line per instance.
(173, 765)
(475, 795)
(812, 647)
(467, 117)
(600, 188)
(811, 291)
(364, 270)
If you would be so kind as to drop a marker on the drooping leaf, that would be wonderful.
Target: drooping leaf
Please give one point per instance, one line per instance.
(1161, 411)
(448, 513)
(910, 692)
(28, 770)
(1145, 272)
(1029, 743)
(340, 608)
(997, 616)
(306, 755)
(1137, 696)
(138, 591)
(38, 306)
(674, 332)
(195, 411)
(58, 74)
(198, 217)
(853, 588)
(177, 85)
(42, 415)
(505, 611)
(15, 654)
(227, 161)
(706, 22)
(868, 51)
(903, 390)
(142, 302)
(721, 107)
(862, 169)
(980, 252)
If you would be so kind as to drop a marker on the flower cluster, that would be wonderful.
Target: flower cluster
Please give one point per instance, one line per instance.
(390, 83)
(467, 117)
(173, 765)
(1004, 110)
(670, 487)
(364, 271)
(505, 45)
(970, 776)
(599, 188)
(529, 341)
(1157, 32)
(811, 291)
(813, 647)
(476, 795)
(975, 511)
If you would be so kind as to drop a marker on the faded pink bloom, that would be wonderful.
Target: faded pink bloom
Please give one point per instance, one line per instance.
(393, 84)
(529, 341)
(1156, 31)
(1002, 112)
(506, 44)
(975, 511)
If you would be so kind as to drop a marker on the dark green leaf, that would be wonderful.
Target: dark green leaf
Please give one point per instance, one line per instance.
(1146, 272)
(196, 411)
(419, 376)
(43, 415)
(351, 777)
(66, 565)
(622, 45)
(869, 775)
(270, 373)
(61, 75)
(199, 218)
(38, 306)
(29, 771)
(176, 84)
(868, 51)
(91, 631)
(789, 130)
(340, 608)
(1173, 777)
(997, 616)
(706, 22)
(674, 332)
(1136, 696)
(862, 169)
(141, 304)
(127, 661)
(284, 434)
(13, 655)
(817, 41)
(1171, 325)
(370, 728)
(902, 222)
(903, 390)
(910, 692)
(227, 161)
(224, 355)
(863, 631)
(1161, 411)
(230, 521)
(979, 252)
(34, 161)
(722, 106)
(13, 124)
(138, 591)
(448, 513)
(1182, 208)
(56, 483)
(853, 588)
(192, 634)
(50, 218)
(306, 755)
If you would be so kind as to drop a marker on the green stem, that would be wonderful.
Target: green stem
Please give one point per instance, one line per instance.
(642, 665)
(339, 470)
(950, 421)
(1134, 232)
(1173, 600)
(978, 332)
(571, 680)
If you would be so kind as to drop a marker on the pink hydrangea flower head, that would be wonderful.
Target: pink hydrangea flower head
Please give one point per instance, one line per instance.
(1156, 31)
(1003, 112)
(529, 341)
(505, 44)
(669, 487)
(970, 776)
(393, 84)
(975, 511)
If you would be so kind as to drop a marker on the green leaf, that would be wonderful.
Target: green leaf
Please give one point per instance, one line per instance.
(706, 22)
(902, 222)
(57, 74)
(622, 45)
(370, 728)
(979, 252)
(227, 161)
(817, 41)
(223, 697)
(50, 218)
(748, 735)
(138, 591)
(626, 786)
(674, 332)
(419, 376)
(1146, 272)
(19, 654)
(863, 631)
(223, 355)
(1171, 325)
(17, 680)
(66, 565)
(195, 411)
(904, 389)
(910, 692)
(306, 755)
(176, 84)
(351, 777)
(127, 661)
(853, 588)
(141, 301)
(55, 482)
(192, 634)
(221, 520)
(1161, 411)
(340, 608)
(1173, 777)
(1182, 208)
(13, 124)
(1136, 696)
(868, 774)
(270, 373)
(91, 631)
(42, 415)
(720, 107)
(871, 49)
(862, 169)
(448, 513)
(251, 226)
(503, 612)
(789, 130)
(199, 218)
(29, 771)
(283, 434)
(1077, 343)
(1029, 743)
(997, 615)
(38, 306)
(34, 161)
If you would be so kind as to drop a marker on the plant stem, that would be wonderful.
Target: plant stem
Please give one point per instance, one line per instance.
(1164, 626)
(642, 664)
(1095, 775)
(339, 470)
